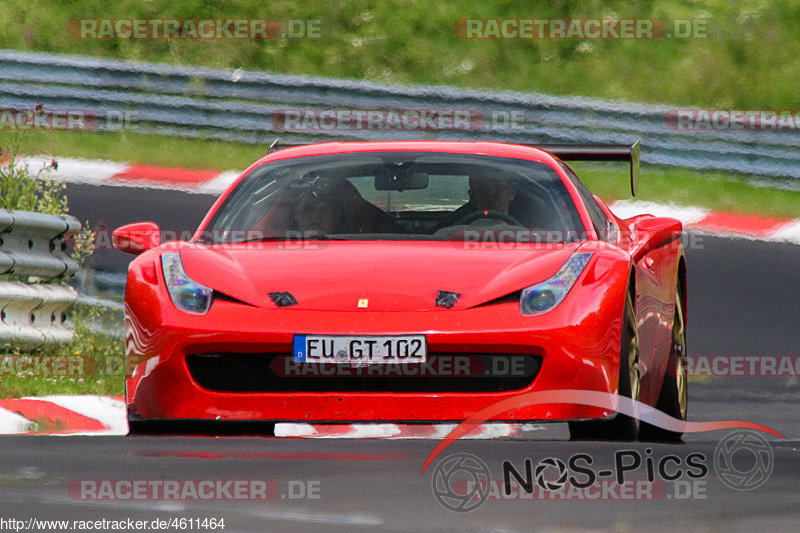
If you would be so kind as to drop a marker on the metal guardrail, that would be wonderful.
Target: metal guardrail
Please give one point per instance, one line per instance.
(239, 105)
(33, 315)
(32, 246)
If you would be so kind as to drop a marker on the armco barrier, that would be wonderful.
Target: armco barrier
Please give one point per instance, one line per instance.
(32, 244)
(242, 105)
(33, 315)
(32, 247)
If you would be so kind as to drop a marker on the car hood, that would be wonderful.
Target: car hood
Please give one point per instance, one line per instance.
(389, 275)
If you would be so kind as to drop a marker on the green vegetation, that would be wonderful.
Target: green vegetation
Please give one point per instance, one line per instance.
(94, 363)
(140, 148)
(749, 59)
(97, 359)
(713, 190)
(29, 189)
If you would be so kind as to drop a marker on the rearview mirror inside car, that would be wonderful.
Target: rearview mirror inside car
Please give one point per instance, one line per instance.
(400, 179)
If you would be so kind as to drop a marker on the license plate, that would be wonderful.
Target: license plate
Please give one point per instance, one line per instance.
(360, 349)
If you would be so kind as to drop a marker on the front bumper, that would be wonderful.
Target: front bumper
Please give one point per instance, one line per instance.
(577, 343)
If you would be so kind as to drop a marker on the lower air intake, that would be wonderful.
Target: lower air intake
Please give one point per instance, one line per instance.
(266, 372)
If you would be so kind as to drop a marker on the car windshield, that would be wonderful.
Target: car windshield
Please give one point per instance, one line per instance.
(398, 196)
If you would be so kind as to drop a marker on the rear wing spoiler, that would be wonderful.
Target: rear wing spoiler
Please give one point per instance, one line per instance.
(598, 152)
(572, 152)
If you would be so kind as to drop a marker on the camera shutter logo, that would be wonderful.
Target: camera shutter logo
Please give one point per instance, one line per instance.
(548, 464)
(753, 452)
(451, 472)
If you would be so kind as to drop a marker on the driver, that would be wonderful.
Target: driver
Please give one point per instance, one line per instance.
(488, 191)
(318, 214)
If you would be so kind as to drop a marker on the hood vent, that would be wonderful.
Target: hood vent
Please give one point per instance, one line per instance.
(446, 299)
(508, 298)
(283, 299)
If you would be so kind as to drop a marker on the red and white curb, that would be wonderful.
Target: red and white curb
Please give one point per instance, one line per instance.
(105, 415)
(64, 415)
(96, 172)
(208, 181)
(760, 227)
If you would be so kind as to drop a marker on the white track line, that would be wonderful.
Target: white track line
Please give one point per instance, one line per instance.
(630, 208)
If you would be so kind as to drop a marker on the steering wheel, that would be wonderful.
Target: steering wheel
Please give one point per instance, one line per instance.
(487, 213)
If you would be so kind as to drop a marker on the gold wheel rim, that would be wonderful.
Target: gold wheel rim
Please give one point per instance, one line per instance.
(679, 348)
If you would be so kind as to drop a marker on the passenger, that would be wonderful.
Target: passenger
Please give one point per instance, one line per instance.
(325, 206)
(339, 208)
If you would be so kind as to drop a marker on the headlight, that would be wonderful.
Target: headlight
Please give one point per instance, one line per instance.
(186, 294)
(544, 296)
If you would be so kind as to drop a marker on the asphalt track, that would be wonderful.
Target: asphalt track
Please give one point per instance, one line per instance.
(743, 301)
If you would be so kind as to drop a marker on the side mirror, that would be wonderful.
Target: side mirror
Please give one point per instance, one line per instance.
(136, 238)
(654, 232)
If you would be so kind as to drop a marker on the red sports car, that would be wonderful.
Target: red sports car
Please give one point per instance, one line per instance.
(408, 281)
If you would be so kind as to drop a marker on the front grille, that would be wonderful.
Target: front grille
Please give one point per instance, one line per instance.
(269, 372)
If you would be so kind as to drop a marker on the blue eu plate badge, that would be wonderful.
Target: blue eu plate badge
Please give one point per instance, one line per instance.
(299, 349)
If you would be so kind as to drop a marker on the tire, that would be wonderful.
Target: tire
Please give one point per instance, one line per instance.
(674, 397)
(621, 427)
